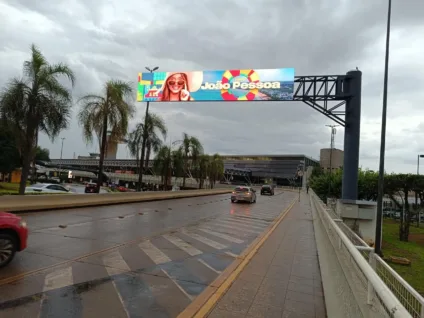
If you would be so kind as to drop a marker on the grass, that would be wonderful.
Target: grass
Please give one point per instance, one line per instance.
(412, 250)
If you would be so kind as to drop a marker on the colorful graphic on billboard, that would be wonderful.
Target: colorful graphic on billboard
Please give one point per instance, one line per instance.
(229, 85)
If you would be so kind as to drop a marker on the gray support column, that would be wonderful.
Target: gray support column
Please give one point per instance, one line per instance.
(352, 87)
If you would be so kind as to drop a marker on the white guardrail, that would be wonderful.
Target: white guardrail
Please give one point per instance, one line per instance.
(372, 280)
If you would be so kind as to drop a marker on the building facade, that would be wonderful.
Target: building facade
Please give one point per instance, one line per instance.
(258, 169)
(336, 161)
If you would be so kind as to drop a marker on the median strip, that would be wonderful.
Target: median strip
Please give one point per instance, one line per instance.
(66, 201)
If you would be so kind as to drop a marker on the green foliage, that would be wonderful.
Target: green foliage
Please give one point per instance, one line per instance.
(397, 187)
(42, 154)
(10, 158)
(37, 102)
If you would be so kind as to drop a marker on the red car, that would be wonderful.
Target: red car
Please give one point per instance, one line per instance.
(13, 236)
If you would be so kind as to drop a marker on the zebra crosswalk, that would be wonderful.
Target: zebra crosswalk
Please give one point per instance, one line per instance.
(156, 277)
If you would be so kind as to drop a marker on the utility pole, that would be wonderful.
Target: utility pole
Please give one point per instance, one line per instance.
(61, 152)
(333, 134)
(379, 222)
(144, 142)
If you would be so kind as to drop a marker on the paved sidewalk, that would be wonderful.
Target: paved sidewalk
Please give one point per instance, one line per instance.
(283, 279)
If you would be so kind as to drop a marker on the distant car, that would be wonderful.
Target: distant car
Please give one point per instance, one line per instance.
(13, 236)
(47, 188)
(243, 194)
(267, 189)
(91, 188)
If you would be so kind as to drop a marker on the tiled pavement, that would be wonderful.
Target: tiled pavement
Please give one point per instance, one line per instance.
(283, 279)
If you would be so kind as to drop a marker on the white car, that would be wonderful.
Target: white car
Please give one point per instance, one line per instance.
(47, 188)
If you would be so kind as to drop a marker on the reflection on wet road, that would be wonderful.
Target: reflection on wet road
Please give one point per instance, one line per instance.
(137, 260)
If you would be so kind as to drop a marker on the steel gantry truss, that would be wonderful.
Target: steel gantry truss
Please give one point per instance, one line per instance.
(324, 93)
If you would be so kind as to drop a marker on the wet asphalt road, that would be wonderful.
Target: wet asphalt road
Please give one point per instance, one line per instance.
(137, 260)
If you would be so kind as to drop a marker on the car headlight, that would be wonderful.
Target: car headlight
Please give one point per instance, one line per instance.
(23, 224)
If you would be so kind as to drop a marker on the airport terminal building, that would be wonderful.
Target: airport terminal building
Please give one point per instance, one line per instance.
(257, 169)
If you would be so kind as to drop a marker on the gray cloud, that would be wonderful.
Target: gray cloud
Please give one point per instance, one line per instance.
(114, 40)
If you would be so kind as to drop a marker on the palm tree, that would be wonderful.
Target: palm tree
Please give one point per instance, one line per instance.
(37, 102)
(216, 169)
(168, 162)
(202, 169)
(156, 132)
(105, 113)
(134, 141)
(191, 148)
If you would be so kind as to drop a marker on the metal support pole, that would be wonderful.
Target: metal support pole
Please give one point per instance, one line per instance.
(143, 146)
(353, 87)
(378, 230)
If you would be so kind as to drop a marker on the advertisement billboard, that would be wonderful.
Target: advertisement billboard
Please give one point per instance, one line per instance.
(228, 85)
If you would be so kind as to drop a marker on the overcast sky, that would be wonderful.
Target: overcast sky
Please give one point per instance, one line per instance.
(101, 40)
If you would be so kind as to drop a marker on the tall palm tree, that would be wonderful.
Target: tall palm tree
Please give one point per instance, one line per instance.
(134, 141)
(191, 148)
(202, 169)
(216, 169)
(156, 132)
(168, 162)
(38, 102)
(109, 112)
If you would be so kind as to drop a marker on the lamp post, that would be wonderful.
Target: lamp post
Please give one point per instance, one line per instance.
(418, 163)
(61, 152)
(143, 145)
(379, 224)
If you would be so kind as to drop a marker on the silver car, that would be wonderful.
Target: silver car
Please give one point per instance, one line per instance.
(243, 194)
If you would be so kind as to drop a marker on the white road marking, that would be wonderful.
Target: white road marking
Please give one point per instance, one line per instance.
(223, 236)
(233, 227)
(115, 264)
(154, 253)
(249, 221)
(231, 254)
(176, 284)
(205, 240)
(208, 266)
(242, 223)
(191, 250)
(58, 279)
(237, 224)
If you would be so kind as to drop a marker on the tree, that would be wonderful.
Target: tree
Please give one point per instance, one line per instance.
(42, 154)
(216, 169)
(168, 162)
(37, 102)
(105, 113)
(10, 158)
(191, 148)
(396, 186)
(202, 169)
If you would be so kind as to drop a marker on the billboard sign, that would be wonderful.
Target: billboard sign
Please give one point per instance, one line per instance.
(228, 85)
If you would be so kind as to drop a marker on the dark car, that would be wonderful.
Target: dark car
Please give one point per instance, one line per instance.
(91, 188)
(267, 189)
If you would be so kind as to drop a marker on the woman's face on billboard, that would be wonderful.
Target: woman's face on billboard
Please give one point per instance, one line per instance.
(176, 83)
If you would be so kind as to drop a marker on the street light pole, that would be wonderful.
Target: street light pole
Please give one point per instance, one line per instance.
(61, 152)
(144, 142)
(418, 163)
(379, 224)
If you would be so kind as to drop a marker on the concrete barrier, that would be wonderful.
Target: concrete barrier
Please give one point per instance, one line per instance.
(18, 203)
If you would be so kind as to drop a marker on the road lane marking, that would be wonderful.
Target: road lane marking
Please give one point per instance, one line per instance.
(206, 301)
(250, 221)
(178, 286)
(238, 225)
(232, 254)
(58, 279)
(157, 256)
(223, 236)
(208, 266)
(115, 264)
(205, 240)
(218, 227)
(189, 249)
